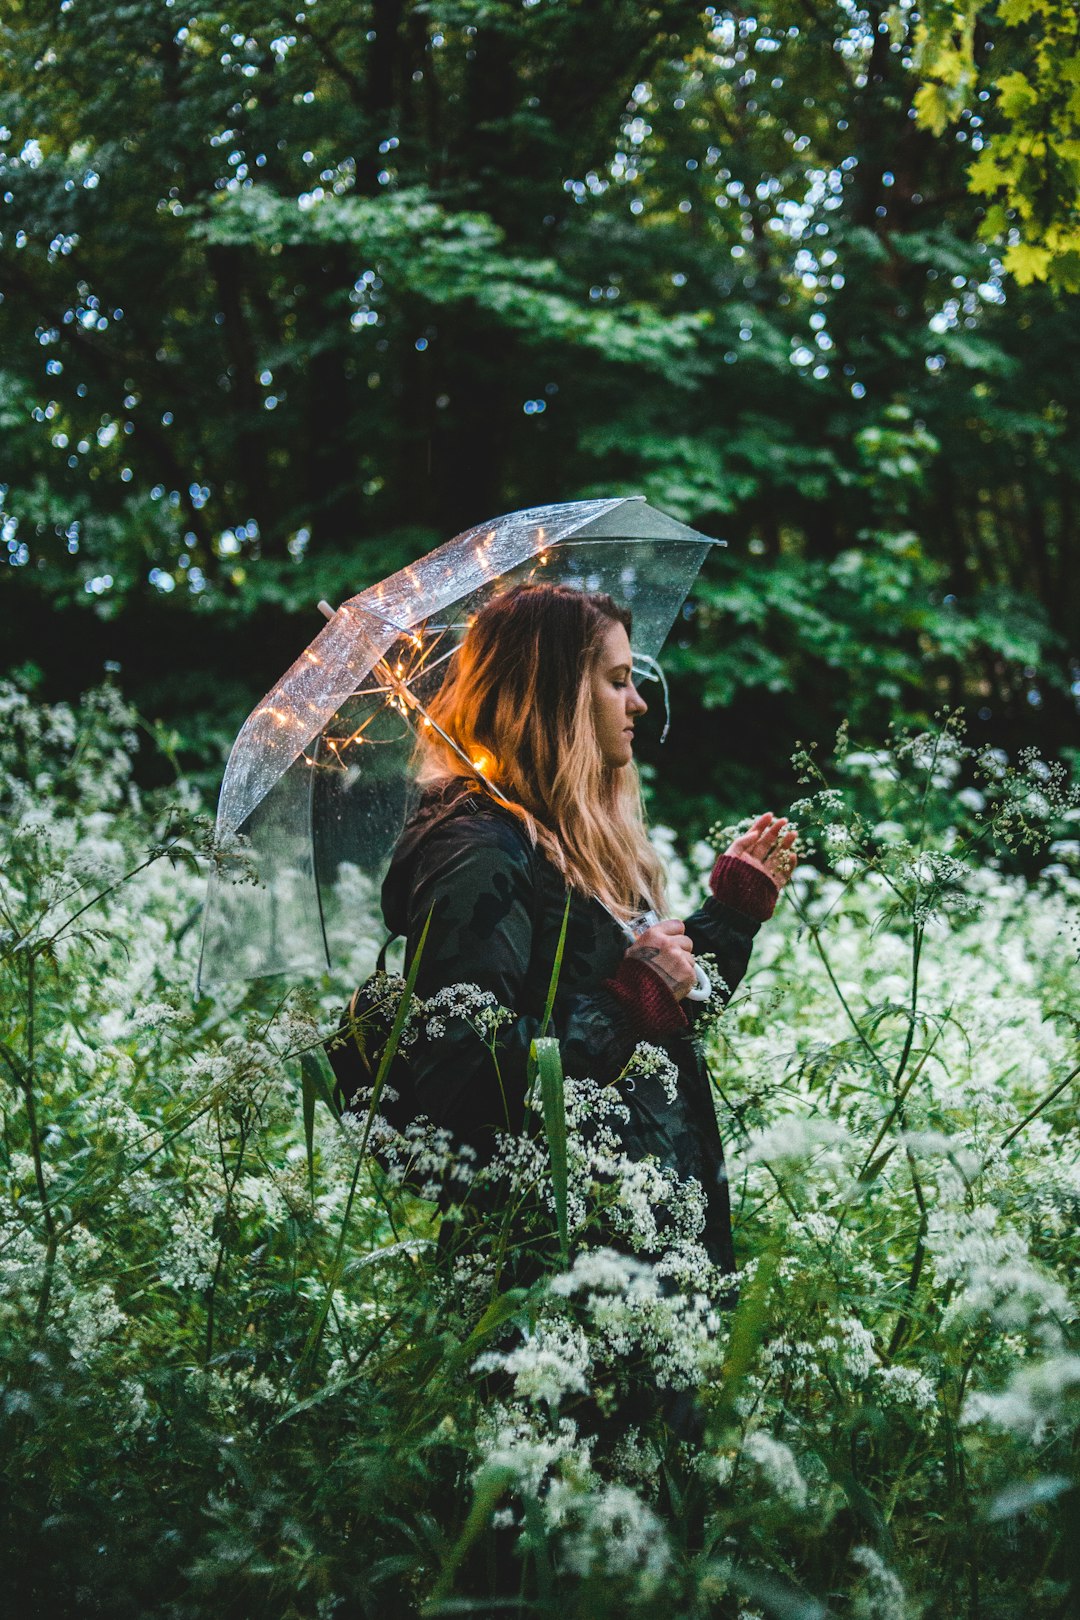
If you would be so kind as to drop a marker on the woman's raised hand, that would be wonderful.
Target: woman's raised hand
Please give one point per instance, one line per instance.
(768, 847)
(666, 947)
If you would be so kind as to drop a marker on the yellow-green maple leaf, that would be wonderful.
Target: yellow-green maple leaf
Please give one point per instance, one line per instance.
(1026, 262)
(1015, 94)
(933, 108)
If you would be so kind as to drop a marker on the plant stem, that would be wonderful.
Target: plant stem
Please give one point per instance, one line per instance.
(916, 954)
(35, 1145)
(815, 935)
(1039, 1106)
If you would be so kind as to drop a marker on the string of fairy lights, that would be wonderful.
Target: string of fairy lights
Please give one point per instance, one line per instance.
(396, 676)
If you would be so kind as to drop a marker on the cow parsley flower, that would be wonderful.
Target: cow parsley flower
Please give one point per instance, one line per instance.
(775, 1462)
(479, 1008)
(649, 1062)
(614, 1533)
(1036, 1400)
(880, 1595)
(551, 1363)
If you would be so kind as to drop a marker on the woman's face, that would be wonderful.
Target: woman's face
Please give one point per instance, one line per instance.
(616, 701)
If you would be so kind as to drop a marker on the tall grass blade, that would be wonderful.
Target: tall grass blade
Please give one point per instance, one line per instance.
(387, 1058)
(492, 1482)
(316, 1080)
(545, 1061)
(556, 967)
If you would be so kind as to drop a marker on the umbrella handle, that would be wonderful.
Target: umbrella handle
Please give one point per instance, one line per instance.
(702, 983)
(703, 986)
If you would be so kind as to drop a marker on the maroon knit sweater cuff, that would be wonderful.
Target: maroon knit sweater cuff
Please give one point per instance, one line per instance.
(648, 1003)
(736, 883)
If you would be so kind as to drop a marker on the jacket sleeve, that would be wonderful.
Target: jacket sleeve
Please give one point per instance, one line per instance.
(477, 873)
(742, 899)
(728, 936)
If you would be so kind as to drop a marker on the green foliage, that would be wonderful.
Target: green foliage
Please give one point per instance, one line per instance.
(241, 1380)
(1030, 164)
(286, 302)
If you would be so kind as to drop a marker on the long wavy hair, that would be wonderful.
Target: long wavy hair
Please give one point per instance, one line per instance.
(517, 700)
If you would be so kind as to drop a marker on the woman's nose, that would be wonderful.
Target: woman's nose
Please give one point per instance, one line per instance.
(637, 703)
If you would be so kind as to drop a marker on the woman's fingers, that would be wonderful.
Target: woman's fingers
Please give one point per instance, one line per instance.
(750, 837)
(782, 859)
(758, 844)
(667, 948)
(769, 844)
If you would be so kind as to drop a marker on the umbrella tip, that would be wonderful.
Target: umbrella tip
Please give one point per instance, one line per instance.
(325, 609)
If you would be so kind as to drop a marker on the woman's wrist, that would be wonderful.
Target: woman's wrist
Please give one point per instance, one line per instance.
(745, 888)
(648, 1003)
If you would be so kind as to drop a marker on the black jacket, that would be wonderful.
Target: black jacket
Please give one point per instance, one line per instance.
(498, 909)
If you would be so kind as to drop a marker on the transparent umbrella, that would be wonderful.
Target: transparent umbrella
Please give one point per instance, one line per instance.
(318, 783)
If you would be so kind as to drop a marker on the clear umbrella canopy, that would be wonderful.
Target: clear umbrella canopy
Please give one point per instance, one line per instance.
(319, 781)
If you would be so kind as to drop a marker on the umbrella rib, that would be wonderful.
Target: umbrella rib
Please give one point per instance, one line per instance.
(414, 703)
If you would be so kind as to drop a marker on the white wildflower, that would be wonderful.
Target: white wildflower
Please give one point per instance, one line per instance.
(794, 1136)
(551, 1363)
(1037, 1399)
(880, 1595)
(615, 1533)
(91, 1317)
(512, 1440)
(596, 1271)
(776, 1464)
(190, 1257)
(635, 1459)
(907, 1386)
(479, 1008)
(649, 1062)
(857, 1350)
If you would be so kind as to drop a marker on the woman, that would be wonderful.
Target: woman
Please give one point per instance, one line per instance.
(541, 699)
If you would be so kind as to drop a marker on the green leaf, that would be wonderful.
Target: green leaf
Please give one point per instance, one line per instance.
(556, 967)
(1027, 263)
(501, 1309)
(492, 1483)
(876, 1166)
(747, 1331)
(316, 1080)
(934, 107)
(546, 1061)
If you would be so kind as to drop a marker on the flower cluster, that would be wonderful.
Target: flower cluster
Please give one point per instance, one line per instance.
(286, 1355)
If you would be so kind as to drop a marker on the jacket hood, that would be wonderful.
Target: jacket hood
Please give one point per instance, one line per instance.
(435, 805)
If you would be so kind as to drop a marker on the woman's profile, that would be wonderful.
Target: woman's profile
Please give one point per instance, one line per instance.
(540, 698)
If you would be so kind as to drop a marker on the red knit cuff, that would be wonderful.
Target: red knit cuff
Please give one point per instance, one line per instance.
(649, 1004)
(736, 883)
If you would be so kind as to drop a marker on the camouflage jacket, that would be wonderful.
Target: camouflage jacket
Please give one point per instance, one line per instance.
(498, 909)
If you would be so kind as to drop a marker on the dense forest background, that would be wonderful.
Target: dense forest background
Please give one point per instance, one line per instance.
(291, 296)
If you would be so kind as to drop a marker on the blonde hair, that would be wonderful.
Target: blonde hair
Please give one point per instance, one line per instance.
(518, 703)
